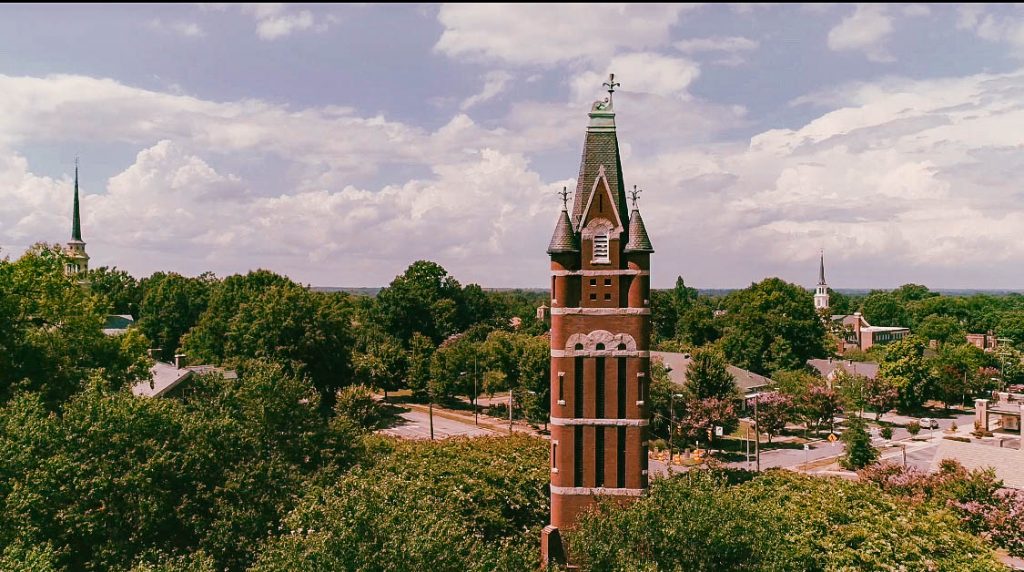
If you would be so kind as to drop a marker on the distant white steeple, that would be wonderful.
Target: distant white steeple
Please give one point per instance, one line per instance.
(821, 294)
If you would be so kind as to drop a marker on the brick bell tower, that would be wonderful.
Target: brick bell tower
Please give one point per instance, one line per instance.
(600, 331)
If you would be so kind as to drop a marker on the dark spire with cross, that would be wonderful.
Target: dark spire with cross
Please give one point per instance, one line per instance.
(821, 272)
(76, 219)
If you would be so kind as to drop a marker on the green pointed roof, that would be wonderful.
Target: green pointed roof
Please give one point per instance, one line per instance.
(76, 219)
(564, 238)
(638, 239)
(600, 149)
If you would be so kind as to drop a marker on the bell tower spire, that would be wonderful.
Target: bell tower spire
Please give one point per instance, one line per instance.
(821, 293)
(600, 339)
(76, 217)
(79, 260)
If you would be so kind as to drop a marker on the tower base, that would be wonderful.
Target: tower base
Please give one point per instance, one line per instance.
(552, 551)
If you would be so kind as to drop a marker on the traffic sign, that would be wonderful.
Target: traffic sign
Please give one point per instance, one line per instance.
(831, 437)
(719, 431)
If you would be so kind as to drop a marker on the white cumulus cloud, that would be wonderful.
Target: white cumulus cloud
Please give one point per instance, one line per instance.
(548, 34)
(865, 31)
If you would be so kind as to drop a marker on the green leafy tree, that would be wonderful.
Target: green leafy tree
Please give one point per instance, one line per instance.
(882, 308)
(310, 333)
(839, 303)
(122, 290)
(943, 329)
(380, 361)
(424, 299)
(859, 452)
(904, 366)
(772, 326)
(775, 521)
(356, 403)
(1011, 325)
(171, 305)
(795, 383)
(420, 356)
(707, 375)
(451, 367)
(456, 505)
(206, 341)
(51, 338)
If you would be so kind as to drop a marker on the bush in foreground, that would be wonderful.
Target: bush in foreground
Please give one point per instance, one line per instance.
(777, 521)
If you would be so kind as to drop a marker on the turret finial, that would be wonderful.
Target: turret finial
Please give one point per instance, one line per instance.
(634, 194)
(564, 194)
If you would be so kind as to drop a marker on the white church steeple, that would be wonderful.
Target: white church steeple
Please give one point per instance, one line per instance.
(821, 294)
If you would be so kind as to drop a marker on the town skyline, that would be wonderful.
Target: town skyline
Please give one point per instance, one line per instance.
(893, 148)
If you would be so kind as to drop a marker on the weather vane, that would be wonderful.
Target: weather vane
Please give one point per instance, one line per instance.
(611, 84)
(564, 193)
(634, 194)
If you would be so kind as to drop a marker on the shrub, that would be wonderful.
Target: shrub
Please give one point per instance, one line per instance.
(859, 452)
(886, 433)
(913, 428)
(776, 521)
(356, 403)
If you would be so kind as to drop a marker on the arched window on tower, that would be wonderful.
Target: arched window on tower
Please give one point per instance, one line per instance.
(601, 247)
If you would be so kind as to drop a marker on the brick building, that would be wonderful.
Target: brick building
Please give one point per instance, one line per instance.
(600, 329)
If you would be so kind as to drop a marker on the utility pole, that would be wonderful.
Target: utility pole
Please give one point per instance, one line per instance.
(757, 436)
(476, 396)
(430, 393)
(509, 410)
(746, 444)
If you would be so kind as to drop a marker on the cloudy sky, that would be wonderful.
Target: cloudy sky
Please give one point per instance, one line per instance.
(337, 144)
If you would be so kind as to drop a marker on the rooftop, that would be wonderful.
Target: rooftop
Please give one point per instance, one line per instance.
(746, 381)
(826, 367)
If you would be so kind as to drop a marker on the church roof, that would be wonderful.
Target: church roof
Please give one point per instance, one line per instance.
(564, 238)
(638, 239)
(821, 274)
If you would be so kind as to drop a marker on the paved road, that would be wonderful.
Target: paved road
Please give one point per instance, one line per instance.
(919, 453)
(416, 425)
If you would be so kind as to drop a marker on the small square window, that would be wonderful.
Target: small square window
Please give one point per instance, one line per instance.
(607, 295)
(593, 281)
(593, 296)
(607, 281)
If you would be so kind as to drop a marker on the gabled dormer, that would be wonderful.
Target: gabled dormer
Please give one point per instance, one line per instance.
(601, 225)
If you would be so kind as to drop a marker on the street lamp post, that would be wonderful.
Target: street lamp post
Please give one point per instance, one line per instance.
(476, 396)
(509, 410)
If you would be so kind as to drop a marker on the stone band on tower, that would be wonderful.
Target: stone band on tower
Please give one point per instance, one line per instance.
(600, 331)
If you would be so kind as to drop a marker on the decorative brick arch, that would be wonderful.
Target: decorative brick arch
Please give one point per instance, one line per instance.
(610, 341)
(599, 226)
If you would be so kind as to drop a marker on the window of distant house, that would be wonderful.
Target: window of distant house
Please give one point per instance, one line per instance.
(601, 247)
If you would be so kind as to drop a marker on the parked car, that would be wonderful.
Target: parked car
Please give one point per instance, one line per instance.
(928, 423)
